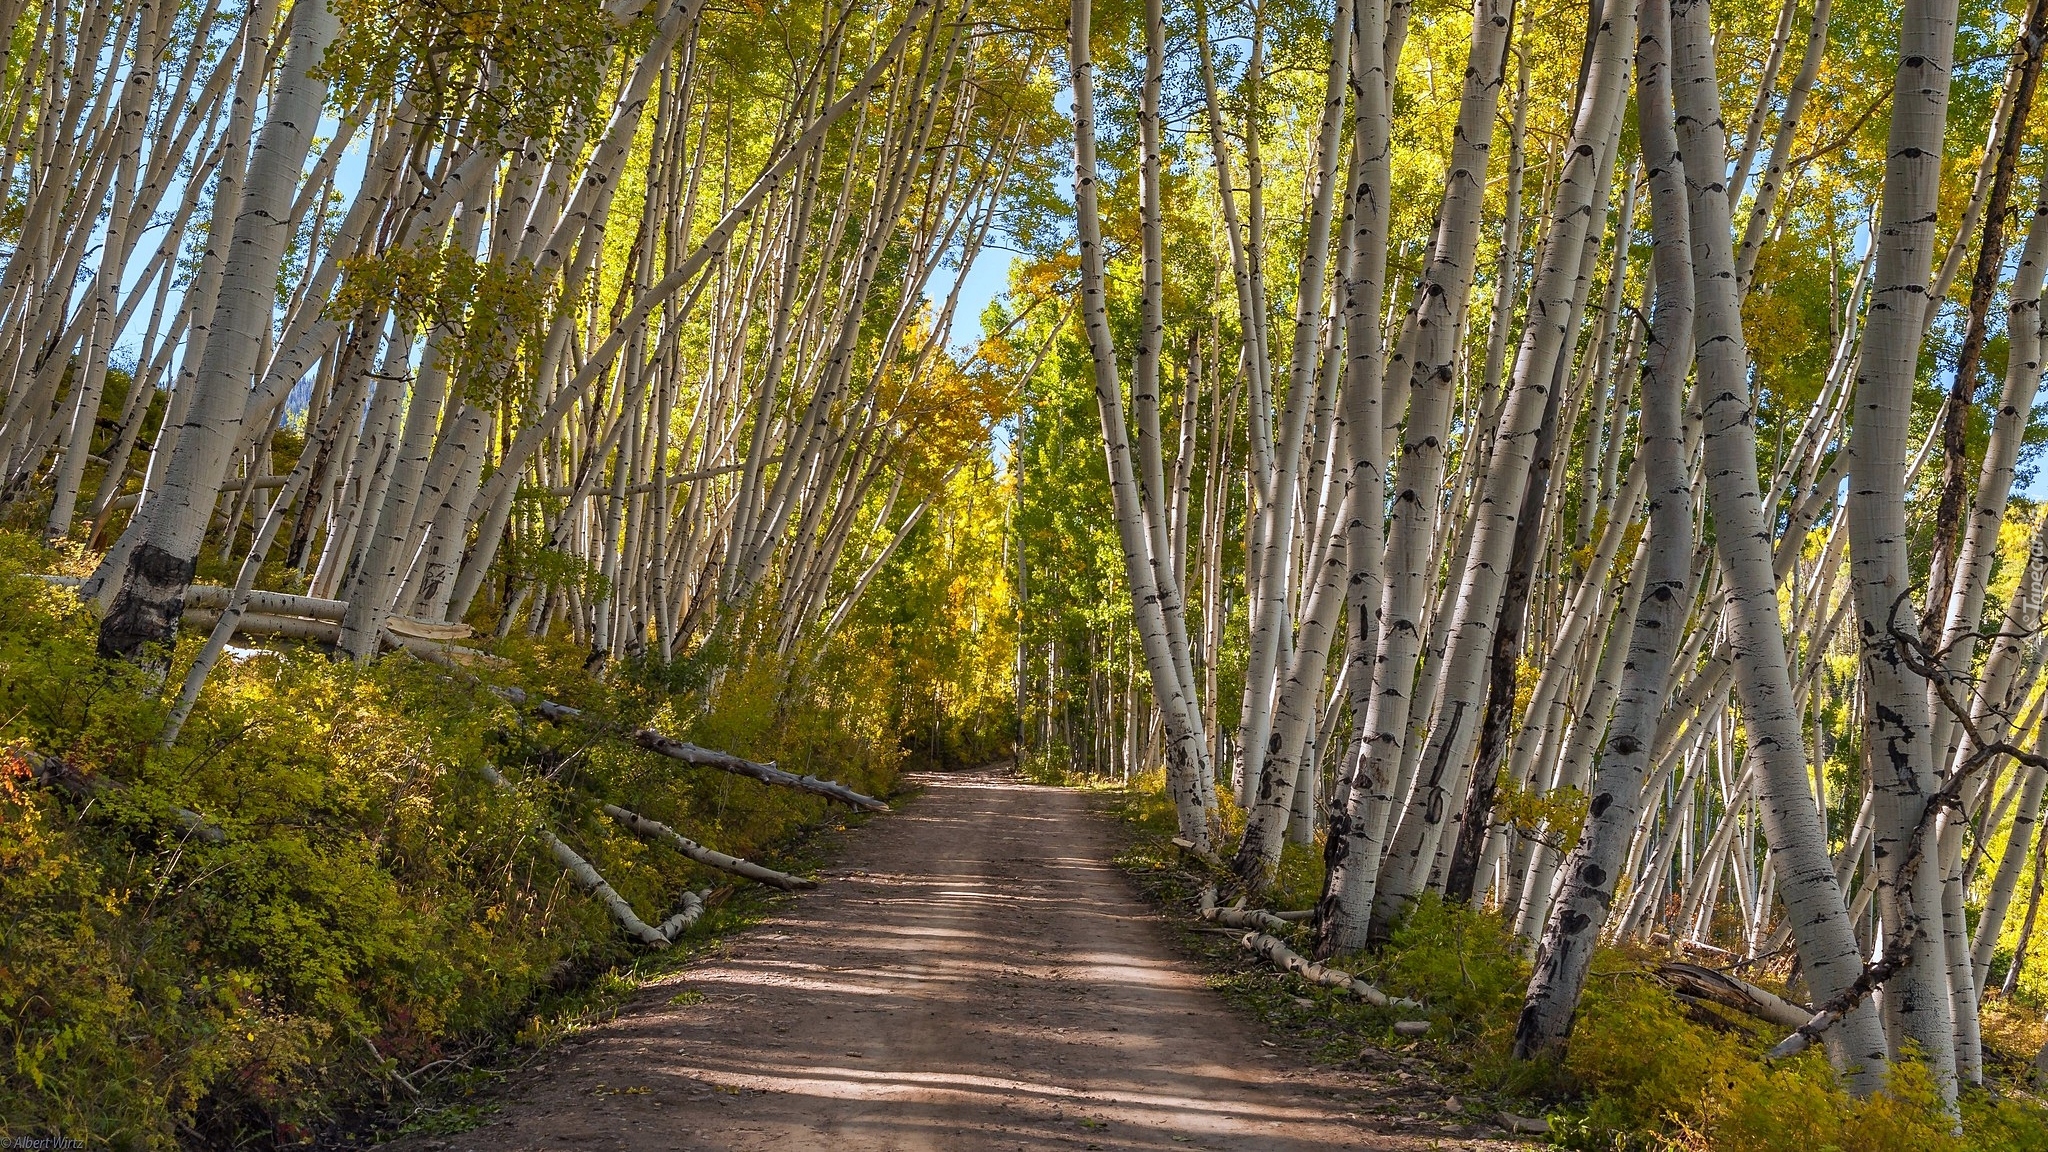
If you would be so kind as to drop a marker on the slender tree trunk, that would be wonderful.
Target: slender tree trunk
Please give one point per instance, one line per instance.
(1896, 728)
(1187, 760)
(1405, 871)
(152, 577)
(1358, 827)
(1828, 951)
(1593, 872)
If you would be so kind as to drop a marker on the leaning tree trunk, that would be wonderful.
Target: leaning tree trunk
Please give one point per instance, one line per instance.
(154, 574)
(1273, 591)
(1594, 869)
(1576, 212)
(1359, 818)
(1285, 685)
(1826, 938)
(1187, 758)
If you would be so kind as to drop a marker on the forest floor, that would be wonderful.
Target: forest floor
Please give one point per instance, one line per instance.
(974, 973)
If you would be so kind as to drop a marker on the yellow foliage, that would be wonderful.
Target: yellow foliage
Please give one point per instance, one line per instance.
(373, 899)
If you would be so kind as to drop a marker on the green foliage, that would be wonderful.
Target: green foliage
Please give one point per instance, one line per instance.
(483, 308)
(521, 67)
(1654, 1076)
(1557, 816)
(1644, 1071)
(944, 613)
(375, 908)
(1461, 962)
(532, 557)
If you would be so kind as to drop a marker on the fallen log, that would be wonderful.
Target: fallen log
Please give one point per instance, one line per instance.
(676, 925)
(587, 875)
(255, 623)
(1275, 951)
(300, 617)
(655, 829)
(441, 652)
(1248, 918)
(1241, 917)
(417, 629)
(1730, 992)
(318, 631)
(214, 597)
(593, 880)
(655, 741)
(51, 772)
(271, 603)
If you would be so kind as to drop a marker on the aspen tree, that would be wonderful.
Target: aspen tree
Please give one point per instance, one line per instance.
(1896, 724)
(1358, 825)
(1593, 873)
(1443, 763)
(1187, 751)
(1277, 725)
(1806, 882)
(150, 584)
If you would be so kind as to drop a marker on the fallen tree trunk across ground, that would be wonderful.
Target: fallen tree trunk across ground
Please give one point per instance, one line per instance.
(1700, 983)
(1276, 951)
(706, 856)
(328, 632)
(52, 772)
(318, 620)
(315, 619)
(655, 741)
(654, 936)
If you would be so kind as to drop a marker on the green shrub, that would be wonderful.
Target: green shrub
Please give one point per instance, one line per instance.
(1643, 1071)
(375, 906)
(1460, 961)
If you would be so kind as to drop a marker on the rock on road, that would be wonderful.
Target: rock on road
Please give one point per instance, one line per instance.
(974, 974)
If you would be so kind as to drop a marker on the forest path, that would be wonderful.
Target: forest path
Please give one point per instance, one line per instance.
(974, 974)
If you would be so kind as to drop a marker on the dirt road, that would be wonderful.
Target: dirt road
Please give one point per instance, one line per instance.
(974, 974)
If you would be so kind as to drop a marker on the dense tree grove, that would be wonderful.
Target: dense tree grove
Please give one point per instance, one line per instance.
(1682, 586)
(1573, 461)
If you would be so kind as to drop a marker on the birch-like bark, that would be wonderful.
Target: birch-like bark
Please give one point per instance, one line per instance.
(1772, 182)
(1278, 529)
(1358, 826)
(1187, 757)
(1282, 688)
(710, 858)
(1828, 951)
(1896, 723)
(239, 599)
(2019, 843)
(151, 581)
(1965, 602)
(1405, 870)
(1943, 580)
(1593, 873)
(497, 494)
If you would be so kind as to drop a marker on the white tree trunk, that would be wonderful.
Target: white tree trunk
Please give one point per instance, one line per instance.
(1896, 725)
(151, 580)
(1592, 875)
(1828, 951)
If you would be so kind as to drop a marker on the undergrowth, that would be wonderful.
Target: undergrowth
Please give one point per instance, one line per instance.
(378, 927)
(1644, 1072)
